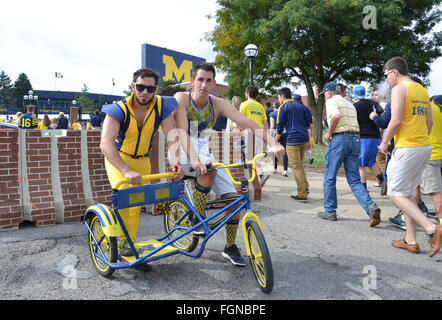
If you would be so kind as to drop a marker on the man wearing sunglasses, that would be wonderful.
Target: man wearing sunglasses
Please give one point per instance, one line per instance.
(195, 115)
(410, 125)
(126, 139)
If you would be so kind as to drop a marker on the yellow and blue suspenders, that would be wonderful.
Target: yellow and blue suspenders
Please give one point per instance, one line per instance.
(133, 149)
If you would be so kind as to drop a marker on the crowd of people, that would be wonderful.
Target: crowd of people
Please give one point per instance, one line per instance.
(354, 138)
(29, 120)
(397, 135)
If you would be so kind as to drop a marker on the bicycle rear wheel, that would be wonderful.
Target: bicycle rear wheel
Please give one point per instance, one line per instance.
(174, 211)
(108, 246)
(259, 256)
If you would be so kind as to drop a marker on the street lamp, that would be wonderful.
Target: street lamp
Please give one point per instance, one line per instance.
(29, 98)
(251, 52)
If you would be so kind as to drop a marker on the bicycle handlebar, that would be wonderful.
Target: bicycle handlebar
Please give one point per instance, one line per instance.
(146, 178)
(210, 166)
(252, 162)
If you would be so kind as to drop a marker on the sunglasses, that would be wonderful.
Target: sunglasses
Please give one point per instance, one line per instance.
(387, 73)
(142, 87)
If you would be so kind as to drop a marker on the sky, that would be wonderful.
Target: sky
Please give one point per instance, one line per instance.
(92, 42)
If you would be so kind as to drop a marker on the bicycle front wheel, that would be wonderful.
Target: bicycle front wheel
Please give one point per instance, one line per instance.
(174, 211)
(259, 256)
(108, 245)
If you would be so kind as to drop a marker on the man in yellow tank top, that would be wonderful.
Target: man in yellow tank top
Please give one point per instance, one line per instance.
(410, 125)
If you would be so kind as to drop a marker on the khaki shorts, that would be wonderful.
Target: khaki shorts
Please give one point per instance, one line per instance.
(431, 181)
(405, 170)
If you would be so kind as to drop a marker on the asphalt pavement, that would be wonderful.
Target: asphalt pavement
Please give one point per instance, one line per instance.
(312, 258)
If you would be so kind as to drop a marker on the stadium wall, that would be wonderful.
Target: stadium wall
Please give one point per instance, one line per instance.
(52, 176)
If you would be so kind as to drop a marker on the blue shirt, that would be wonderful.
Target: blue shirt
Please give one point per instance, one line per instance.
(96, 121)
(62, 123)
(296, 119)
(268, 112)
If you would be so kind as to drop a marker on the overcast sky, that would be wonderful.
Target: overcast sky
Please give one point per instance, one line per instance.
(91, 42)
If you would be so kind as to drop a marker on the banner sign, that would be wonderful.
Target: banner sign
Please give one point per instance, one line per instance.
(171, 65)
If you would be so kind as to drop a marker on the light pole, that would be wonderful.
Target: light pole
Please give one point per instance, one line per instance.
(251, 52)
(30, 97)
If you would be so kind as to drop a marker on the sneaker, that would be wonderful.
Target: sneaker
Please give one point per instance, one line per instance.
(263, 179)
(384, 188)
(401, 244)
(198, 231)
(435, 241)
(310, 161)
(375, 215)
(125, 249)
(284, 174)
(327, 216)
(232, 253)
(432, 215)
(398, 220)
(299, 198)
(422, 206)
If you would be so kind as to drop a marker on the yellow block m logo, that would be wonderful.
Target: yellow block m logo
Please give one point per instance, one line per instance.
(171, 69)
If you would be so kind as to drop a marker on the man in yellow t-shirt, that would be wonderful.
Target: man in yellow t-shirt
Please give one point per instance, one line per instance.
(254, 110)
(410, 125)
(431, 182)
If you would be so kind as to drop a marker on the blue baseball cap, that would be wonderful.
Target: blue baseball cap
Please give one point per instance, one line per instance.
(329, 86)
(438, 99)
(359, 92)
(297, 97)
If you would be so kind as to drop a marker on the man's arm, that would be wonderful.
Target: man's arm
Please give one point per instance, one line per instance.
(332, 126)
(398, 94)
(222, 107)
(429, 118)
(109, 132)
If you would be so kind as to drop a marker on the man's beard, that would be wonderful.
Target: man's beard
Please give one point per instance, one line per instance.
(141, 103)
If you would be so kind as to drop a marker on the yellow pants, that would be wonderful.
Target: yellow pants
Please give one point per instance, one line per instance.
(131, 215)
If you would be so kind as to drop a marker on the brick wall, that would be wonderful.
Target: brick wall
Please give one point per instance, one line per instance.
(10, 202)
(52, 176)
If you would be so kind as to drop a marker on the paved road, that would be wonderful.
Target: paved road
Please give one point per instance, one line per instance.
(312, 258)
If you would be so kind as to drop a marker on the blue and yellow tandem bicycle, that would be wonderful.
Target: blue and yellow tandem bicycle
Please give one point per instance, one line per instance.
(106, 226)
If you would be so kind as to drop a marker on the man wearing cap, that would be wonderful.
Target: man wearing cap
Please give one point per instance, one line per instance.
(296, 120)
(62, 121)
(344, 146)
(369, 133)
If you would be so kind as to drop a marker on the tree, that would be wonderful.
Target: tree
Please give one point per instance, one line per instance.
(169, 88)
(6, 91)
(21, 87)
(83, 101)
(311, 42)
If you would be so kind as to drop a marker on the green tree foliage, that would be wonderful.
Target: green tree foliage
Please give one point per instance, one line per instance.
(21, 87)
(311, 42)
(83, 101)
(6, 91)
(169, 88)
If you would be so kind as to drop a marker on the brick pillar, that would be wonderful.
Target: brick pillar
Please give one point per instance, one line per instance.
(99, 182)
(71, 181)
(11, 214)
(40, 199)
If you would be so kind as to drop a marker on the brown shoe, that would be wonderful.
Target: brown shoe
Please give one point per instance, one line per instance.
(414, 248)
(435, 241)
